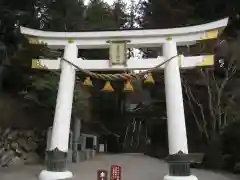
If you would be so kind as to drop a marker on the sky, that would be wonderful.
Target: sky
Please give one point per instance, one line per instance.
(108, 1)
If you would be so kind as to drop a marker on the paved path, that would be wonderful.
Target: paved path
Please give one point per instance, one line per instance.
(134, 167)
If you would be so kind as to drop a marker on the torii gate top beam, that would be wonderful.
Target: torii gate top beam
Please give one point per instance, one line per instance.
(138, 38)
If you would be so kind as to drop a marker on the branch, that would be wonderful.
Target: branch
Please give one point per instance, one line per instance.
(191, 98)
(229, 72)
(210, 97)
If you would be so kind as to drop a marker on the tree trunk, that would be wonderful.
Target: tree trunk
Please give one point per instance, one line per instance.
(213, 156)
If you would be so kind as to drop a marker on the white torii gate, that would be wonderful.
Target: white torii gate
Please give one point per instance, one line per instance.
(168, 39)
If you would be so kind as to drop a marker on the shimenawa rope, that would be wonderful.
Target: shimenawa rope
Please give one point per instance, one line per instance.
(118, 76)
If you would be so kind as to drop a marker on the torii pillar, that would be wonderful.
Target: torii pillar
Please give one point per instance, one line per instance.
(179, 167)
(57, 154)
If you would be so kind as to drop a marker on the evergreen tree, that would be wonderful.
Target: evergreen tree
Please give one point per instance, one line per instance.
(120, 15)
(165, 13)
(69, 15)
(72, 15)
(99, 16)
(173, 13)
(66, 15)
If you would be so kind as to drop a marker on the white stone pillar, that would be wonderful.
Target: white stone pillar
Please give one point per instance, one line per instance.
(177, 136)
(76, 138)
(63, 110)
(95, 145)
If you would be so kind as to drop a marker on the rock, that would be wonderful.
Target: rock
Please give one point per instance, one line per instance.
(16, 161)
(2, 151)
(6, 132)
(31, 158)
(20, 133)
(7, 158)
(19, 151)
(14, 145)
(18, 147)
(236, 168)
(6, 144)
(12, 135)
(27, 145)
(28, 133)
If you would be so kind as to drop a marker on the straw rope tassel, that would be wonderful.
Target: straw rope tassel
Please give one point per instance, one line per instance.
(149, 79)
(88, 82)
(128, 86)
(108, 87)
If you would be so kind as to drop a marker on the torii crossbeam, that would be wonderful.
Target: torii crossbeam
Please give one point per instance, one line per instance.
(168, 39)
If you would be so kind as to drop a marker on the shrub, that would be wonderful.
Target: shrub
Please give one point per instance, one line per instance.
(231, 144)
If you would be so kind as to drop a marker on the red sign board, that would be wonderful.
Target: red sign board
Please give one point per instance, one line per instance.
(115, 172)
(101, 175)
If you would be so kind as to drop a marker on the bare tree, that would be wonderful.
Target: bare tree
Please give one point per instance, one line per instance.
(192, 102)
(212, 109)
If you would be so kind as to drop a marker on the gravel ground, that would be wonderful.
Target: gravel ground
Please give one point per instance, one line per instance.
(134, 167)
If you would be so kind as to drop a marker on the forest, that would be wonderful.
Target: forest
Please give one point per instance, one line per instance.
(211, 96)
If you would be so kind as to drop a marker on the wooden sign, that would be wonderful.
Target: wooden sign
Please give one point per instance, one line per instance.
(118, 53)
(115, 172)
(102, 175)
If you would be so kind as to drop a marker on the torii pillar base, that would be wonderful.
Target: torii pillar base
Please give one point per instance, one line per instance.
(50, 175)
(168, 177)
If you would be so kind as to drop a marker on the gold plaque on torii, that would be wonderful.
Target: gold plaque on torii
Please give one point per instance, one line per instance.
(118, 52)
